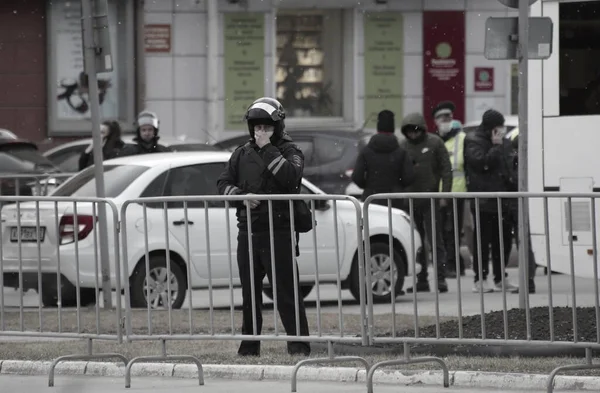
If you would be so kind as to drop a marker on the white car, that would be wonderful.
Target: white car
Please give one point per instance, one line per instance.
(66, 156)
(185, 174)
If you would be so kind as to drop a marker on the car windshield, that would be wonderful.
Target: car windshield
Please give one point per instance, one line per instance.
(116, 180)
(17, 158)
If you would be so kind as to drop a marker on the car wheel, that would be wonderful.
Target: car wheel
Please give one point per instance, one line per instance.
(381, 278)
(156, 283)
(303, 291)
(87, 296)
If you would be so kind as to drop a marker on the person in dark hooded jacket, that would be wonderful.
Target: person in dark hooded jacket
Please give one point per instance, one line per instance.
(383, 166)
(269, 163)
(489, 161)
(147, 136)
(432, 165)
(112, 145)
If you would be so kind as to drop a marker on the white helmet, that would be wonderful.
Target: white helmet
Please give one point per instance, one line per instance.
(147, 118)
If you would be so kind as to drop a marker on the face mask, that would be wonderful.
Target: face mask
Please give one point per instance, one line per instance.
(444, 127)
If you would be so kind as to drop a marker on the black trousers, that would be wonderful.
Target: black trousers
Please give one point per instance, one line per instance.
(422, 217)
(447, 224)
(490, 240)
(284, 276)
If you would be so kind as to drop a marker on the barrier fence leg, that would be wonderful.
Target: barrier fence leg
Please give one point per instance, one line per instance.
(89, 356)
(331, 358)
(407, 360)
(572, 367)
(162, 358)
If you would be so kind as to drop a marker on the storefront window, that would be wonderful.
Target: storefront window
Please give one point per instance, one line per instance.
(310, 63)
(579, 28)
(69, 100)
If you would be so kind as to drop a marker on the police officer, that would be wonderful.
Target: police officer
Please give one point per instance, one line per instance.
(270, 163)
(146, 139)
(452, 134)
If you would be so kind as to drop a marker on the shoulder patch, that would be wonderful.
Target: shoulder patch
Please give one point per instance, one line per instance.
(297, 160)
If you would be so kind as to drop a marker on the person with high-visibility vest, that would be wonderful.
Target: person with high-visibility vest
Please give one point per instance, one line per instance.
(452, 134)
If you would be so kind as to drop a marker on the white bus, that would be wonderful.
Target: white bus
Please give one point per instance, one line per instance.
(564, 133)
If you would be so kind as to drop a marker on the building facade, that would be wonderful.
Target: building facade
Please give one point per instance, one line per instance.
(199, 63)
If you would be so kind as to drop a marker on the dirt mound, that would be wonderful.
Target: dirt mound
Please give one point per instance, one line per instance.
(587, 330)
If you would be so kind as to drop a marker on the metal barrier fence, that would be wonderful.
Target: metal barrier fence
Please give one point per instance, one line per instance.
(424, 207)
(209, 264)
(45, 245)
(19, 184)
(174, 246)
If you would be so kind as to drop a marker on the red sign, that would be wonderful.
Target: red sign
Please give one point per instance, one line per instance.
(484, 79)
(157, 38)
(443, 62)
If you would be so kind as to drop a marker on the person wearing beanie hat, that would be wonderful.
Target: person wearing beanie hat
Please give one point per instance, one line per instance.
(488, 159)
(146, 138)
(383, 166)
(432, 165)
(385, 121)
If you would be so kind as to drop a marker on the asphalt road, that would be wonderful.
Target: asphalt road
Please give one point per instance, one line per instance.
(448, 302)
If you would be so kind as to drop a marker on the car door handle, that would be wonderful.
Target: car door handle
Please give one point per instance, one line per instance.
(182, 222)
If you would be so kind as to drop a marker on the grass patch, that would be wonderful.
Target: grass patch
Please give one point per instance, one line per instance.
(224, 352)
(273, 353)
(201, 322)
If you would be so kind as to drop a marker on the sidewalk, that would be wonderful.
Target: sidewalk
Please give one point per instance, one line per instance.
(73, 384)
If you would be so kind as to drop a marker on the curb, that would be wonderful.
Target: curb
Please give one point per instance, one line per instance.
(467, 379)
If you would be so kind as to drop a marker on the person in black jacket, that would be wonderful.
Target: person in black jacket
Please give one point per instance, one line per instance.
(112, 145)
(383, 166)
(270, 163)
(432, 166)
(147, 136)
(488, 161)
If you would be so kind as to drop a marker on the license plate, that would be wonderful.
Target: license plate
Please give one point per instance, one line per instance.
(28, 234)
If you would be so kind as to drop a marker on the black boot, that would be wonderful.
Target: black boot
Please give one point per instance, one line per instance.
(422, 286)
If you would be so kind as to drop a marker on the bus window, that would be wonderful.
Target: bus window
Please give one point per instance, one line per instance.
(579, 77)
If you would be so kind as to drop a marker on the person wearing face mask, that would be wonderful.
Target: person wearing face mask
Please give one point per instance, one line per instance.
(488, 167)
(269, 163)
(146, 140)
(431, 165)
(112, 144)
(453, 136)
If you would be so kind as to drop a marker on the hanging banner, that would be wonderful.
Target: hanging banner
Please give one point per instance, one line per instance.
(384, 61)
(244, 70)
(443, 62)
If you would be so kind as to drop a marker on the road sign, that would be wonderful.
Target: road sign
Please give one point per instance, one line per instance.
(502, 38)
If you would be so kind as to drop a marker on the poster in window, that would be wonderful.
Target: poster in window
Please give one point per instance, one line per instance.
(71, 87)
(384, 61)
(244, 74)
(443, 62)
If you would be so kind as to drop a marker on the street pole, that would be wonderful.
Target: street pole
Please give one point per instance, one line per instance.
(89, 50)
(523, 142)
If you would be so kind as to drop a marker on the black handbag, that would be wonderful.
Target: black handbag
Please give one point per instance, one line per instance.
(303, 220)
